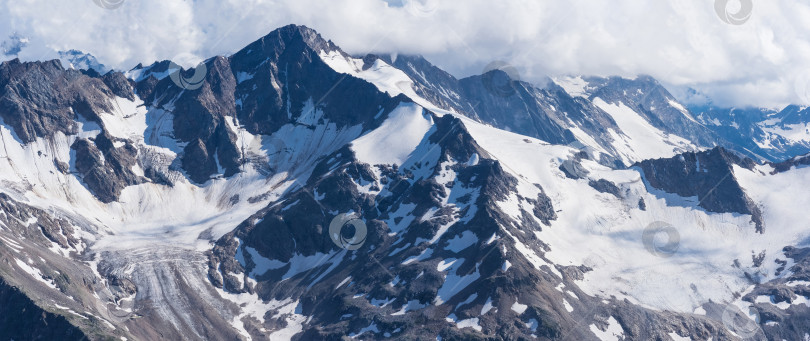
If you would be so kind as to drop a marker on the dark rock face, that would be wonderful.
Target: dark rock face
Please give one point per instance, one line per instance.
(197, 157)
(299, 227)
(119, 85)
(199, 118)
(105, 169)
(529, 109)
(261, 88)
(784, 166)
(56, 230)
(780, 323)
(287, 71)
(41, 98)
(641, 204)
(706, 175)
(21, 319)
(605, 186)
(439, 247)
(266, 85)
(402, 282)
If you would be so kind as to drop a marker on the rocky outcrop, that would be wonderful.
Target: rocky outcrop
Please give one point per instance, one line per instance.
(279, 79)
(782, 315)
(56, 230)
(707, 175)
(104, 168)
(298, 227)
(39, 99)
(450, 238)
(796, 162)
(605, 186)
(425, 264)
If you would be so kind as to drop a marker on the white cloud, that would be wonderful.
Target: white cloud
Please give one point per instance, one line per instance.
(682, 43)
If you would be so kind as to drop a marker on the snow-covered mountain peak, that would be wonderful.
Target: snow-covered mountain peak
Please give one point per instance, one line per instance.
(82, 61)
(287, 39)
(144, 205)
(576, 86)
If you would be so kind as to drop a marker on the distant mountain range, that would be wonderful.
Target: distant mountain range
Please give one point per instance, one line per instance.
(292, 191)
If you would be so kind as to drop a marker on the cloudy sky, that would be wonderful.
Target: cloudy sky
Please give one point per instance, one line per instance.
(739, 52)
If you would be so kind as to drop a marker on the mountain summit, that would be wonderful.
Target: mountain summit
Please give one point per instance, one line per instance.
(292, 191)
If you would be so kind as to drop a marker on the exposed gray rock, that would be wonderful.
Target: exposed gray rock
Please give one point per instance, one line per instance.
(776, 321)
(707, 175)
(105, 169)
(39, 99)
(605, 186)
(450, 259)
(784, 166)
(56, 230)
(377, 272)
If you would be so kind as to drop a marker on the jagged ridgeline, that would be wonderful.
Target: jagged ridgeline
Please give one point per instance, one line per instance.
(294, 191)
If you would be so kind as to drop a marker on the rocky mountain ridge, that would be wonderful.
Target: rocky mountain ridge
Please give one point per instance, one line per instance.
(293, 191)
